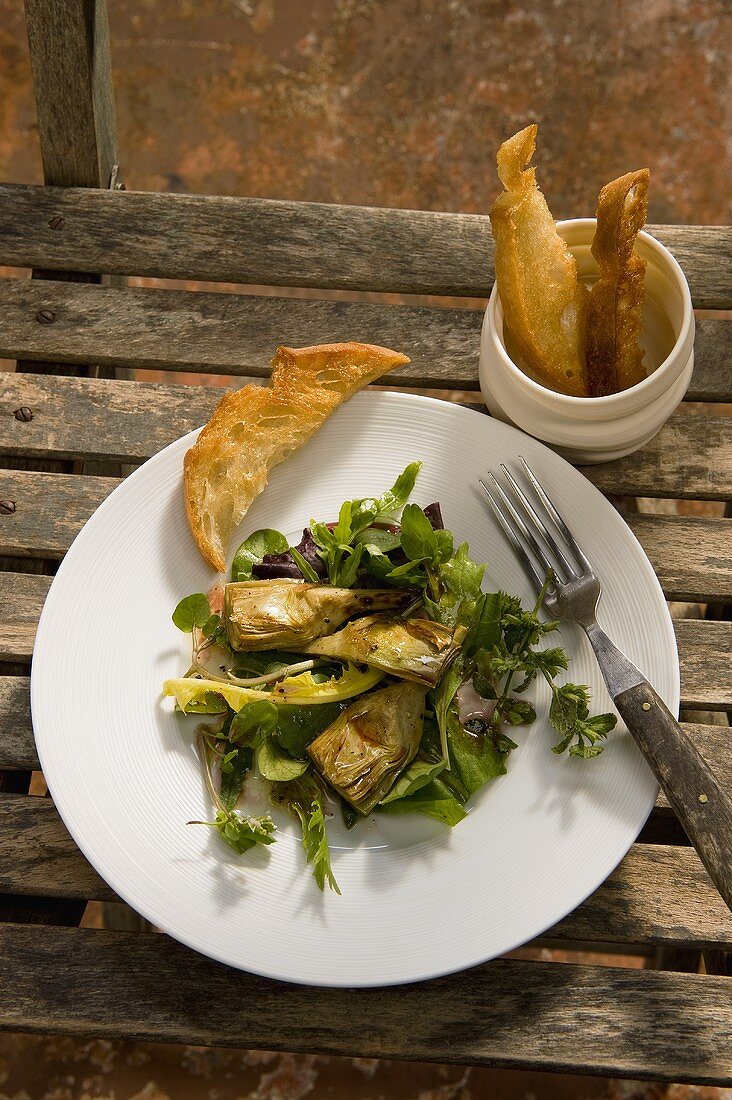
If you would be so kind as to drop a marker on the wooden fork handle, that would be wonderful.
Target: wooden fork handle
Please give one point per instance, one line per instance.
(702, 805)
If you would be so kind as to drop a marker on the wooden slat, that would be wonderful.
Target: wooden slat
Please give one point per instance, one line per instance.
(691, 457)
(50, 510)
(621, 1022)
(237, 334)
(271, 242)
(128, 421)
(70, 58)
(17, 747)
(705, 657)
(22, 596)
(657, 894)
(228, 333)
(692, 556)
(712, 378)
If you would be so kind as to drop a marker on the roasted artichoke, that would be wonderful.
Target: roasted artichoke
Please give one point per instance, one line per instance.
(414, 649)
(364, 750)
(288, 614)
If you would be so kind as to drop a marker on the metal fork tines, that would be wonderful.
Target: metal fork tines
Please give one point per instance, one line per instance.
(543, 542)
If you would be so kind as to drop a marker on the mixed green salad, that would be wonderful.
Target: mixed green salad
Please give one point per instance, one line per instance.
(364, 671)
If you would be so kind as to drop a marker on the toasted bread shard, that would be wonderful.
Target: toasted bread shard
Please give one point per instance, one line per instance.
(615, 319)
(255, 428)
(544, 303)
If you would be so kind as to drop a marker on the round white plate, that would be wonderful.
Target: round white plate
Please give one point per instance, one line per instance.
(418, 899)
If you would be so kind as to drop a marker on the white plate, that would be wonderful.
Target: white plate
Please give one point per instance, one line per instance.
(418, 900)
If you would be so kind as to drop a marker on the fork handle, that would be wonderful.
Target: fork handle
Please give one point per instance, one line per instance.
(702, 805)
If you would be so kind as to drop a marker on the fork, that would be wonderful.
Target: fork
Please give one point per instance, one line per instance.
(548, 550)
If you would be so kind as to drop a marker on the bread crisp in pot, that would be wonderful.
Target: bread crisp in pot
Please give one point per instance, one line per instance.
(255, 428)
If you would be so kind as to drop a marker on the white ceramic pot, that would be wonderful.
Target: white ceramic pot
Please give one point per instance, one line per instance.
(598, 429)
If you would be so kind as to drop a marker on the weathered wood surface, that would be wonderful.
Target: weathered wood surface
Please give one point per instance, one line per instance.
(237, 334)
(271, 242)
(657, 895)
(634, 1023)
(17, 746)
(70, 58)
(692, 556)
(228, 333)
(128, 421)
(50, 510)
(705, 648)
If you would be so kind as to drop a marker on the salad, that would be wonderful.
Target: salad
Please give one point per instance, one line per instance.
(364, 671)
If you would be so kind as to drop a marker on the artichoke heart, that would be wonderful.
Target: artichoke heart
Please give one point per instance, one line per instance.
(414, 649)
(364, 750)
(288, 614)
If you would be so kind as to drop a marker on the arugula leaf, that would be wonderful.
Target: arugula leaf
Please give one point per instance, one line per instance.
(241, 833)
(253, 550)
(234, 768)
(277, 765)
(253, 723)
(460, 580)
(304, 566)
(298, 726)
(435, 800)
(304, 798)
(376, 540)
(396, 497)
(484, 630)
(415, 776)
(419, 538)
(192, 611)
(517, 712)
(444, 695)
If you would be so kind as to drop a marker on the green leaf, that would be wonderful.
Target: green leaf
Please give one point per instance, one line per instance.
(444, 695)
(304, 566)
(484, 630)
(241, 833)
(377, 541)
(212, 626)
(460, 580)
(415, 776)
(474, 758)
(304, 798)
(254, 722)
(435, 800)
(192, 611)
(277, 765)
(396, 497)
(232, 778)
(419, 539)
(517, 712)
(253, 550)
(298, 726)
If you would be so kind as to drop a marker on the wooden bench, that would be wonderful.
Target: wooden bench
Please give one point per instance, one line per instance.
(65, 429)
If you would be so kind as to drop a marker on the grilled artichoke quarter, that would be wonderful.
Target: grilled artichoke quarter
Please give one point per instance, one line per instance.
(288, 614)
(414, 649)
(363, 751)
